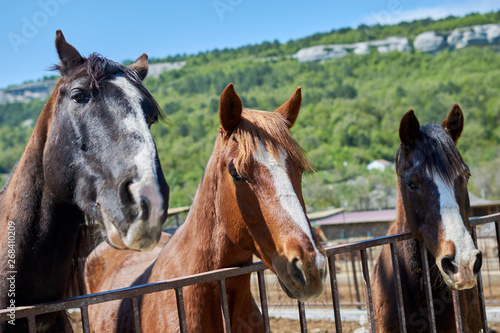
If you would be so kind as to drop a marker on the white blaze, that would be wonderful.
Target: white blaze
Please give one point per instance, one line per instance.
(286, 194)
(453, 225)
(144, 157)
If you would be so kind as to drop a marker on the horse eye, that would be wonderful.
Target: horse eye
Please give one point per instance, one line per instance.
(234, 173)
(78, 96)
(412, 185)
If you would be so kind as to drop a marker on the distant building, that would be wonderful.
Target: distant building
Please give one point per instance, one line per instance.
(380, 165)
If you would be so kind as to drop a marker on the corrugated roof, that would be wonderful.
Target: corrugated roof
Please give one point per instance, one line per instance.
(370, 216)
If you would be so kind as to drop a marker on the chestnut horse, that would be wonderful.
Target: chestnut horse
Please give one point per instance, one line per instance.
(91, 156)
(249, 203)
(433, 204)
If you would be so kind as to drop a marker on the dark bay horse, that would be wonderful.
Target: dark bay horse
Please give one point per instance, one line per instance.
(249, 203)
(433, 204)
(91, 155)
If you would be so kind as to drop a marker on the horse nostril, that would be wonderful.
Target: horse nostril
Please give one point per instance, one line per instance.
(144, 208)
(125, 194)
(297, 271)
(447, 265)
(478, 263)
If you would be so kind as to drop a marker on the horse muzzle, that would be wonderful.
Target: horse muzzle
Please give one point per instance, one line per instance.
(302, 278)
(460, 274)
(135, 220)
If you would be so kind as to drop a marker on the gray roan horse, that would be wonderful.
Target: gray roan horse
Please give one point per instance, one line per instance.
(433, 204)
(91, 154)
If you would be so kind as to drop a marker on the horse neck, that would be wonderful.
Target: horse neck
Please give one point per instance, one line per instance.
(46, 229)
(203, 235)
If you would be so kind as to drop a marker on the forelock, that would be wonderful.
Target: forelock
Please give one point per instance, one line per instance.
(271, 129)
(438, 153)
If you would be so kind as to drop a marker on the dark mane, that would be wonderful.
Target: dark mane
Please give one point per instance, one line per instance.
(437, 153)
(98, 68)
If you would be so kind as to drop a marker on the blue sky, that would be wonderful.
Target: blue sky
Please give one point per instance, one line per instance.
(125, 29)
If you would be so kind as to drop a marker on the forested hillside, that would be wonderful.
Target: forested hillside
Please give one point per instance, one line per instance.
(350, 113)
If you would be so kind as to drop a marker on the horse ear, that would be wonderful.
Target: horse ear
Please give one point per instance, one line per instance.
(409, 129)
(454, 124)
(230, 108)
(290, 110)
(69, 56)
(140, 66)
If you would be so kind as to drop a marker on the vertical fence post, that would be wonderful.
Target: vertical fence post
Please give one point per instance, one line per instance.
(32, 324)
(84, 312)
(302, 317)
(458, 314)
(497, 229)
(224, 305)
(346, 264)
(181, 311)
(480, 290)
(427, 287)
(355, 276)
(335, 293)
(399, 290)
(263, 300)
(368, 288)
(137, 316)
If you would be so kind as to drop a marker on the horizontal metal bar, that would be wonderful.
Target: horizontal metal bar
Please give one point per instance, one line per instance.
(351, 247)
(77, 302)
(485, 219)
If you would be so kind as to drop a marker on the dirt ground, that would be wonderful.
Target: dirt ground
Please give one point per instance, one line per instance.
(313, 326)
(277, 325)
(280, 325)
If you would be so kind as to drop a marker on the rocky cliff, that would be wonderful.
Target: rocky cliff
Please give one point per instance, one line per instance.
(429, 41)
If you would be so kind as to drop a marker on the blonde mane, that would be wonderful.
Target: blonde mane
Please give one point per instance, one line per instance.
(272, 130)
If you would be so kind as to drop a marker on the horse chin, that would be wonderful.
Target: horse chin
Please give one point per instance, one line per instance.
(286, 290)
(120, 242)
(115, 239)
(297, 292)
(457, 284)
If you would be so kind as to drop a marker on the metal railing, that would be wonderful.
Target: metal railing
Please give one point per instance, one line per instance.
(132, 293)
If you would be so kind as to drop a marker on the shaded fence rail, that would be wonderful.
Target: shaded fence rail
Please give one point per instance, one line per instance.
(361, 248)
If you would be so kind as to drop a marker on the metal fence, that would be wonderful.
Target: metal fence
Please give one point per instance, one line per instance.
(362, 248)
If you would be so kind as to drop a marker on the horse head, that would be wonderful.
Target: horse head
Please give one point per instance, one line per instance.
(99, 152)
(259, 181)
(432, 178)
